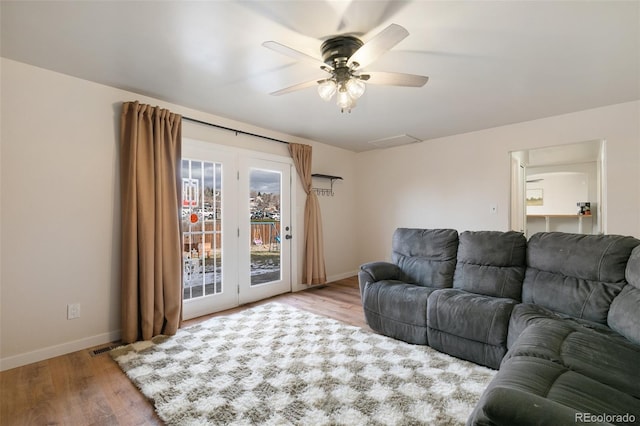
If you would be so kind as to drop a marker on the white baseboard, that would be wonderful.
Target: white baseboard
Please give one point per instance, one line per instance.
(100, 339)
(341, 276)
(57, 350)
(336, 277)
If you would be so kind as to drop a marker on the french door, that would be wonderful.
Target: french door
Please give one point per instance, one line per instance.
(236, 227)
(265, 229)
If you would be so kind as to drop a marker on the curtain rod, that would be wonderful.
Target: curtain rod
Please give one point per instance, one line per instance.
(233, 130)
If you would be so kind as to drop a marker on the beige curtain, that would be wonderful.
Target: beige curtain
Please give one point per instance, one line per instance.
(313, 268)
(151, 254)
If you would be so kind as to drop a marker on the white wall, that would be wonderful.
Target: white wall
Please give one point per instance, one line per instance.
(562, 190)
(453, 181)
(339, 212)
(60, 219)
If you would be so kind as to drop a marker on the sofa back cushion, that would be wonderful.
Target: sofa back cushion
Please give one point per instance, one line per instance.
(491, 263)
(426, 257)
(624, 315)
(577, 275)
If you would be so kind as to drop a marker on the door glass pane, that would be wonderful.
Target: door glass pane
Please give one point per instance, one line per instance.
(201, 228)
(264, 206)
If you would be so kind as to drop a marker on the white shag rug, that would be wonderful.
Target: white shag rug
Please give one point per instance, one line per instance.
(277, 365)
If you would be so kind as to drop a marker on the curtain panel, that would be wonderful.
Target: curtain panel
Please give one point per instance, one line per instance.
(313, 267)
(151, 251)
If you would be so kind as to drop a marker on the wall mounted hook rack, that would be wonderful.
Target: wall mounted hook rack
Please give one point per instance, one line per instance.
(325, 191)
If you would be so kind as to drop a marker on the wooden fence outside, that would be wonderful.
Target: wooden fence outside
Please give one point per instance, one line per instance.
(265, 235)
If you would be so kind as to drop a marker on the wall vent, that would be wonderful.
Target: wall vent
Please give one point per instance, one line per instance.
(394, 141)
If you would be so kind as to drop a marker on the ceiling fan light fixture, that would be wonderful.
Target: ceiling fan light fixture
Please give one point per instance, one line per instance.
(326, 89)
(344, 100)
(355, 87)
(343, 56)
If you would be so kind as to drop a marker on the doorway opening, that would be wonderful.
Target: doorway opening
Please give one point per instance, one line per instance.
(559, 188)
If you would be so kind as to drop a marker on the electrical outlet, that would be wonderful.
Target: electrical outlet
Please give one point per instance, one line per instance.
(73, 311)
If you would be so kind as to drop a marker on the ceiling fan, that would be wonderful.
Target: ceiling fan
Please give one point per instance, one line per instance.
(343, 58)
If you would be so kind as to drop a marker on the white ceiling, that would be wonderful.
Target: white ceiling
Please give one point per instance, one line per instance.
(489, 63)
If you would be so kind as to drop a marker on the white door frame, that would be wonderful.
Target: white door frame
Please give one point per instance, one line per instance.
(519, 177)
(518, 215)
(233, 236)
(248, 292)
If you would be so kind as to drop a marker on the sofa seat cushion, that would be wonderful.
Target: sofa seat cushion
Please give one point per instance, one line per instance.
(587, 352)
(535, 391)
(397, 309)
(469, 326)
(525, 314)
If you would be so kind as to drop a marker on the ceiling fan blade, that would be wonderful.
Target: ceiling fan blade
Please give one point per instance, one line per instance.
(295, 15)
(293, 53)
(378, 45)
(395, 79)
(360, 17)
(295, 87)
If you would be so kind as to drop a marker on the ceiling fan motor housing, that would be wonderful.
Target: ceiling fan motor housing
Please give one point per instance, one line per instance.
(337, 50)
(342, 57)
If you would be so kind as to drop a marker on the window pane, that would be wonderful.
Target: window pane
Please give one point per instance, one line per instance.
(264, 205)
(202, 233)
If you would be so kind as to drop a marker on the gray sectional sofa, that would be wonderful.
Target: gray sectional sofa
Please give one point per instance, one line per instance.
(557, 315)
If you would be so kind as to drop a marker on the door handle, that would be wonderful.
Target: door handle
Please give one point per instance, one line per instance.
(288, 237)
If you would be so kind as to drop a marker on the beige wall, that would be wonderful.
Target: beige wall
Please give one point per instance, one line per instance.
(452, 181)
(60, 208)
(59, 197)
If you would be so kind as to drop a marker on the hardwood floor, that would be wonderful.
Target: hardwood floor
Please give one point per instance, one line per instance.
(85, 389)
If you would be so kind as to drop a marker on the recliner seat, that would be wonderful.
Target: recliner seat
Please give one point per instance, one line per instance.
(471, 320)
(395, 295)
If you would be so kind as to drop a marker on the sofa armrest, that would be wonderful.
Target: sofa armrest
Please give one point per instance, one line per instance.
(379, 271)
(504, 406)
